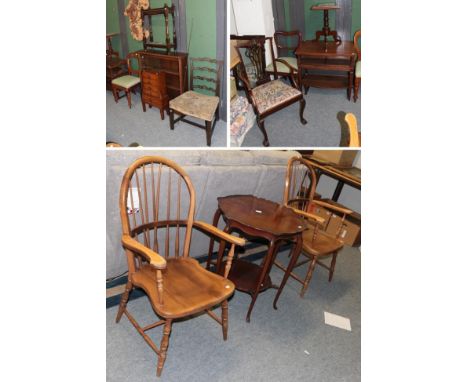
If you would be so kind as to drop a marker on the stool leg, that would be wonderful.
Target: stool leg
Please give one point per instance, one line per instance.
(171, 119)
(208, 132)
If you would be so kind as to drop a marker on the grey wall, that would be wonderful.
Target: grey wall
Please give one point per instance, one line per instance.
(213, 173)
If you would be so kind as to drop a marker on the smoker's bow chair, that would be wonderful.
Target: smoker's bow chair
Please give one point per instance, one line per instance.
(157, 249)
(357, 70)
(196, 104)
(129, 82)
(270, 96)
(299, 190)
(286, 44)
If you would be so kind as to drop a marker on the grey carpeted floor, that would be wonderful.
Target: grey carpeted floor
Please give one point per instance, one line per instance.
(324, 112)
(271, 348)
(126, 126)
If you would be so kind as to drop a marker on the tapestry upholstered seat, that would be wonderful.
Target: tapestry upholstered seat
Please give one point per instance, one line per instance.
(272, 94)
(195, 105)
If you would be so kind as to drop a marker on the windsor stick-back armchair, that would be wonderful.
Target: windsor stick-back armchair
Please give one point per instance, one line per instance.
(157, 205)
(299, 190)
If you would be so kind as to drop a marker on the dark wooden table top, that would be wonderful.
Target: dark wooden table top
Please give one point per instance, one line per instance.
(311, 48)
(261, 214)
(349, 175)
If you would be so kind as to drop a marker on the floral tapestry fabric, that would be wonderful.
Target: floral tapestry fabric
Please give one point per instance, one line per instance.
(195, 104)
(242, 120)
(271, 94)
(133, 11)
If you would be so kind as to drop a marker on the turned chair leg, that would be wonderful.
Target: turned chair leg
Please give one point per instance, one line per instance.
(208, 132)
(224, 318)
(129, 98)
(357, 82)
(171, 119)
(164, 345)
(301, 111)
(124, 300)
(115, 93)
(309, 276)
(332, 267)
(261, 125)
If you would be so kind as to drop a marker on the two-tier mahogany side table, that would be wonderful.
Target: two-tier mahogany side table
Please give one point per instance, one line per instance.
(256, 218)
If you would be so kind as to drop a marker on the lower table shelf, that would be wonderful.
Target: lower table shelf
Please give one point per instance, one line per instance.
(245, 275)
(325, 81)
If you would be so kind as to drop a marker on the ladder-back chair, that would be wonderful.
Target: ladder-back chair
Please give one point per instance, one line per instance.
(157, 206)
(299, 190)
(270, 96)
(203, 73)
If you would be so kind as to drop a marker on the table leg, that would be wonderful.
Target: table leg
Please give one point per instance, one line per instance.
(210, 249)
(292, 262)
(266, 265)
(222, 246)
(337, 192)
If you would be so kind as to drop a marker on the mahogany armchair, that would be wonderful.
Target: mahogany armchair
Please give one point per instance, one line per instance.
(299, 190)
(157, 245)
(268, 96)
(286, 44)
(128, 82)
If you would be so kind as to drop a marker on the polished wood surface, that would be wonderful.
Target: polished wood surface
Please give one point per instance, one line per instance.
(157, 242)
(299, 191)
(330, 57)
(260, 214)
(261, 219)
(154, 91)
(174, 64)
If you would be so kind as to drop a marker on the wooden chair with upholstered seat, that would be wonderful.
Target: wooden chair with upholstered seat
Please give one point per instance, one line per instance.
(157, 206)
(268, 97)
(357, 70)
(286, 44)
(196, 104)
(300, 184)
(129, 82)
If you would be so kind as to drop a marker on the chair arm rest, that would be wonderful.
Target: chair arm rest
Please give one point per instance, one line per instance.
(345, 211)
(308, 215)
(291, 68)
(154, 258)
(219, 233)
